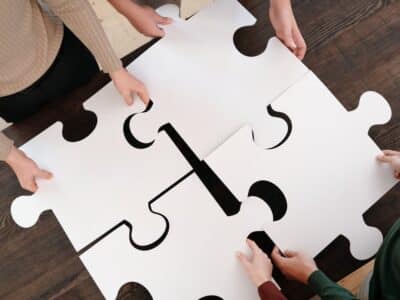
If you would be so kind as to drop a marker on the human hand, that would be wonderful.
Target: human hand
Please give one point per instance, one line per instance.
(26, 169)
(294, 265)
(146, 20)
(393, 159)
(258, 266)
(127, 85)
(285, 25)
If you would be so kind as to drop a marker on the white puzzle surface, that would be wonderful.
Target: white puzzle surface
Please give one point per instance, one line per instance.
(207, 89)
(326, 169)
(199, 83)
(196, 259)
(100, 180)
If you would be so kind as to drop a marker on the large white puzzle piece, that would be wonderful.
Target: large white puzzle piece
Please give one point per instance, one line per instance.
(205, 88)
(326, 169)
(200, 84)
(101, 180)
(196, 259)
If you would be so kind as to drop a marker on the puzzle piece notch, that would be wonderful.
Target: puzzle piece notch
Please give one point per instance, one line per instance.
(212, 96)
(92, 189)
(201, 244)
(251, 40)
(312, 169)
(86, 161)
(220, 112)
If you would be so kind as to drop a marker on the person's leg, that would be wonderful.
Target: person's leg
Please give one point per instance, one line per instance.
(73, 67)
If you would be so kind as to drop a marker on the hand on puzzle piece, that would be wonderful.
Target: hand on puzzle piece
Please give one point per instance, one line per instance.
(144, 18)
(286, 28)
(258, 266)
(393, 159)
(320, 169)
(26, 170)
(294, 265)
(147, 21)
(101, 180)
(199, 82)
(127, 85)
(197, 257)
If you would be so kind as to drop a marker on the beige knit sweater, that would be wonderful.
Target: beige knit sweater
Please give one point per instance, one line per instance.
(30, 38)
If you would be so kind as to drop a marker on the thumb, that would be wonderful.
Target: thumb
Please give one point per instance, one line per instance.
(144, 95)
(385, 158)
(244, 261)
(44, 174)
(163, 20)
(288, 40)
(276, 256)
(158, 32)
(128, 98)
(290, 253)
(390, 152)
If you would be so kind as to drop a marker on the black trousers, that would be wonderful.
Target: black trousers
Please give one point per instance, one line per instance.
(73, 66)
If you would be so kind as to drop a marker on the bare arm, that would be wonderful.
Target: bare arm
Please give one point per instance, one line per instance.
(286, 28)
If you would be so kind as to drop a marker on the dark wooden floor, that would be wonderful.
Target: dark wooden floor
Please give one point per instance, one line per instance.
(353, 46)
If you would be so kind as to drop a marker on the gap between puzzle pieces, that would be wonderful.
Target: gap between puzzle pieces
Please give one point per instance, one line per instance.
(97, 178)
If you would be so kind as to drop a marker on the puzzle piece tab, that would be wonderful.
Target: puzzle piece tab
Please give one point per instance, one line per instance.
(326, 169)
(205, 88)
(101, 180)
(196, 259)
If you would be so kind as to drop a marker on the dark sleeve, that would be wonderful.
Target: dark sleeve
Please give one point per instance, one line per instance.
(327, 289)
(269, 291)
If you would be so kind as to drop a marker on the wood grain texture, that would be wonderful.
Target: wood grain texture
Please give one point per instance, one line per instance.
(353, 46)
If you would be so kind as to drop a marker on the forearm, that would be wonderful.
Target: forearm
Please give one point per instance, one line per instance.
(5, 146)
(268, 291)
(327, 289)
(124, 7)
(80, 18)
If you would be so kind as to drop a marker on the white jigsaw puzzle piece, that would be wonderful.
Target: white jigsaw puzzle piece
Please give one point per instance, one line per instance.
(101, 180)
(207, 89)
(195, 260)
(327, 169)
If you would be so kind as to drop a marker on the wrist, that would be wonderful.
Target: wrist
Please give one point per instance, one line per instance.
(116, 72)
(308, 272)
(12, 156)
(260, 281)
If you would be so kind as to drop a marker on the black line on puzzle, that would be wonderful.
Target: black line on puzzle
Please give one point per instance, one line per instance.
(265, 190)
(285, 118)
(130, 138)
(129, 225)
(221, 193)
(272, 195)
(224, 197)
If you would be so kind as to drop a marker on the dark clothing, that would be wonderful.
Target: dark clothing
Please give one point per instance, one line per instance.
(73, 66)
(385, 281)
(268, 291)
(327, 289)
(384, 284)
